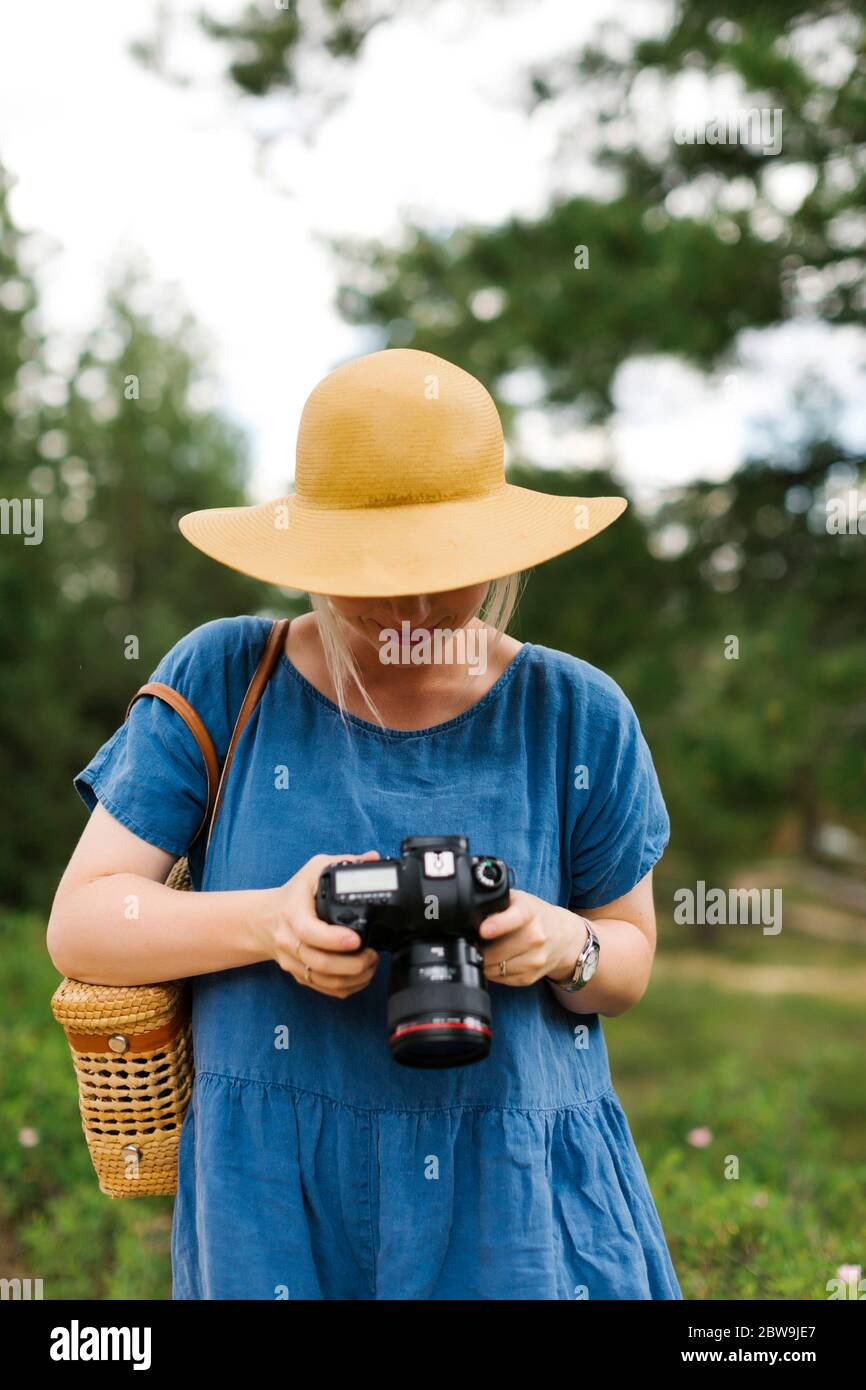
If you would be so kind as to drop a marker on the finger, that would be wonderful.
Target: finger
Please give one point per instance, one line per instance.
(332, 964)
(515, 944)
(290, 954)
(353, 986)
(309, 925)
(352, 858)
(322, 861)
(303, 972)
(335, 988)
(323, 936)
(313, 867)
(524, 969)
(510, 919)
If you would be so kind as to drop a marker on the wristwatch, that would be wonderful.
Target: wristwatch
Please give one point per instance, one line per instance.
(587, 962)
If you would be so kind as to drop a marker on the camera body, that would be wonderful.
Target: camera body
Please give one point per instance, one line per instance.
(436, 888)
(426, 908)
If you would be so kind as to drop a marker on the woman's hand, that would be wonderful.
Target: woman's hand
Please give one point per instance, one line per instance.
(316, 953)
(531, 939)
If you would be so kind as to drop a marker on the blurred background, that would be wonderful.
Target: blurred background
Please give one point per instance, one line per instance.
(201, 213)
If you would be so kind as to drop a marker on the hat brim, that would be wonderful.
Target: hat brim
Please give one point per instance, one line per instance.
(421, 548)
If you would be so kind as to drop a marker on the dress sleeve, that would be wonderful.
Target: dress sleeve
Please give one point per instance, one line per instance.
(622, 825)
(150, 774)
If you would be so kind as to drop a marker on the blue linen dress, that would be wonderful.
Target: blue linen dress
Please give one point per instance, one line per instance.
(312, 1166)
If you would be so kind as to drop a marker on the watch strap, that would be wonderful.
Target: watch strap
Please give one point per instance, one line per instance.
(576, 982)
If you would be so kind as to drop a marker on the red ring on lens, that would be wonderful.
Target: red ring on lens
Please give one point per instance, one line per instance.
(403, 1029)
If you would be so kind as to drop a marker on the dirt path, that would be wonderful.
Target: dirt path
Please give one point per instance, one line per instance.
(816, 901)
(846, 984)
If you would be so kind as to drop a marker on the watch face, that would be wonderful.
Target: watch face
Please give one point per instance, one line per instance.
(590, 966)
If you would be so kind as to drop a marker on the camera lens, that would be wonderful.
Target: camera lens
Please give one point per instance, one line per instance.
(438, 1004)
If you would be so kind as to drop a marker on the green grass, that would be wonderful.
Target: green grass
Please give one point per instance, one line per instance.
(778, 1081)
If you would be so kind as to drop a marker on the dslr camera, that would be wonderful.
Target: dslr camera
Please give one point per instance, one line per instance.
(425, 908)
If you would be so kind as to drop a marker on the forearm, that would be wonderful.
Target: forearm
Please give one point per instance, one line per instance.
(122, 929)
(624, 968)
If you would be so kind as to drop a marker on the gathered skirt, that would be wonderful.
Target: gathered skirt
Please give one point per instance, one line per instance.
(287, 1194)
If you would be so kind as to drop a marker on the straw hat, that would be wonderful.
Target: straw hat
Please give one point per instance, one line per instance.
(400, 489)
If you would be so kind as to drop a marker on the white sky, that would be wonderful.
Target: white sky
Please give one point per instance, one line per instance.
(112, 160)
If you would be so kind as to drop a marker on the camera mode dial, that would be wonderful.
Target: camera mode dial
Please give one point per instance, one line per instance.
(488, 873)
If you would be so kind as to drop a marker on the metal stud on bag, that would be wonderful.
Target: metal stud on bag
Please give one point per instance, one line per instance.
(133, 1085)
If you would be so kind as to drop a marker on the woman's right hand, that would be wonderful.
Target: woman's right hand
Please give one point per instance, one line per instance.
(316, 953)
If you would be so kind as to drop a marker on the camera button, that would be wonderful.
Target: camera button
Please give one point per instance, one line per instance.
(438, 864)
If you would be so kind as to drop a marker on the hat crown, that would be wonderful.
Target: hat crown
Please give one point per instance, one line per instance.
(398, 427)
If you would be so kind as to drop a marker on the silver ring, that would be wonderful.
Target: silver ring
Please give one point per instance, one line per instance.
(307, 969)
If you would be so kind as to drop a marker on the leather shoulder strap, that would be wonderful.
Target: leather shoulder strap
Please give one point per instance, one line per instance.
(269, 658)
(215, 780)
(197, 729)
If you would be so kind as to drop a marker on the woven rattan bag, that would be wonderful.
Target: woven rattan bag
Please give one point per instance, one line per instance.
(132, 1044)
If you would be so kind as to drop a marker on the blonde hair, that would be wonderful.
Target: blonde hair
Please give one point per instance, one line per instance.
(496, 610)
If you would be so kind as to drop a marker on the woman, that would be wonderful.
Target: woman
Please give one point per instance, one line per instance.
(312, 1165)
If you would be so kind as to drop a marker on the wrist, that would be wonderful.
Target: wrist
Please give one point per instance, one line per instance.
(575, 939)
(257, 922)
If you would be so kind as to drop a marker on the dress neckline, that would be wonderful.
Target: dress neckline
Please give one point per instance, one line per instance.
(370, 727)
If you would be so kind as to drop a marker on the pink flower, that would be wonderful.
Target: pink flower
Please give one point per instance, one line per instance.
(28, 1138)
(760, 1199)
(699, 1138)
(849, 1274)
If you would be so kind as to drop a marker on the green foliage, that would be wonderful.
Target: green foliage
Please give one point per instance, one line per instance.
(753, 741)
(286, 47)
(116, 450)
(690, 249)
(677, 288)
(780, 730)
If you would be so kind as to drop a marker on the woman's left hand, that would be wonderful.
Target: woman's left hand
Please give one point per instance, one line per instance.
(531, 939)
